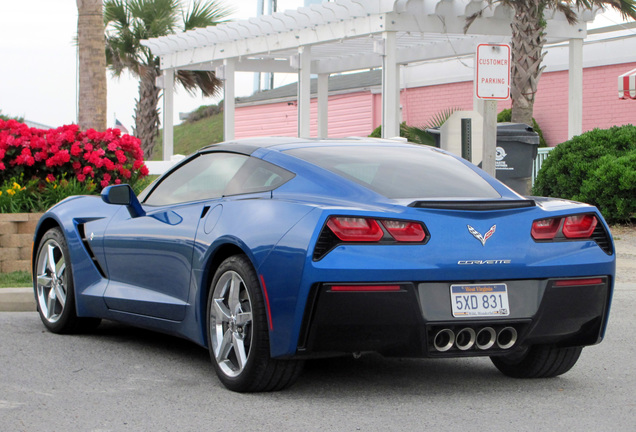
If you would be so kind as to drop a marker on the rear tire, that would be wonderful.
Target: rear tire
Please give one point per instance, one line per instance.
(539, 361)
(238, 333)
(53, 286)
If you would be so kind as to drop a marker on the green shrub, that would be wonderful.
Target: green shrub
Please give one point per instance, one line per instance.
(597, 167)
(33, 196)
(506, 116)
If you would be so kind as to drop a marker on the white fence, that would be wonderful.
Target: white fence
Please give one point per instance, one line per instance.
(542, 154)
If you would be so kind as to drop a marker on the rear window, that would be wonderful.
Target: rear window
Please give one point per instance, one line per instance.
(400, 172)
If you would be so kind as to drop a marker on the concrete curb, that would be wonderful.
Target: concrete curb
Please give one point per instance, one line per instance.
(17, 300)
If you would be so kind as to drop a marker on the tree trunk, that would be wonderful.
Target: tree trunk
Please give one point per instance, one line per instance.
(146, 112)
(92, 65)
(528, 39)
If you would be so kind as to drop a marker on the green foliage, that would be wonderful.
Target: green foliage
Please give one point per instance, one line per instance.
(191, 136)
(18, 195)
(18, 279)
(204, 111)
(597, 167)
(506, 116)
(6, 117)
(419, 135)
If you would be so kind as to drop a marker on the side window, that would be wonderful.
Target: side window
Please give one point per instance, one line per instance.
(258, 176)
(204, 177)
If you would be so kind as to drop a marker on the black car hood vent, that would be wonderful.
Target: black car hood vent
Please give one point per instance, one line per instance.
(474, 205)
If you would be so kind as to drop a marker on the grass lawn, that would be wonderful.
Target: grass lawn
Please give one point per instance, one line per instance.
(17, 279)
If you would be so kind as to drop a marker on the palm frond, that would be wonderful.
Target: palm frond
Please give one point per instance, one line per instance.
(205, 14)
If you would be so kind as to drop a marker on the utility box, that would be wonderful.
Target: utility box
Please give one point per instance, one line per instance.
(517, 147)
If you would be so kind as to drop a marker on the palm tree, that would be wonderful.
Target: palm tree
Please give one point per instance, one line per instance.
(92, 65)
(128, 22)
(528, 39)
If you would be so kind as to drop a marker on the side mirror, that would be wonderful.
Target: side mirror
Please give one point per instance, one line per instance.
(123, 195)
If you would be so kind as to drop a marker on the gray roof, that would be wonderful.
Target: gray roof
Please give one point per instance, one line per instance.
(337, 83)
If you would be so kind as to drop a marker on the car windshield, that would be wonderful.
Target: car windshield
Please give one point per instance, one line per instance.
(400, 172)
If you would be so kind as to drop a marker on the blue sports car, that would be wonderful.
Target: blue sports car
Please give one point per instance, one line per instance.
(271, 251)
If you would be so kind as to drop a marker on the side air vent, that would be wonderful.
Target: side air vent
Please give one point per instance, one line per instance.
(601, 237)
(89, 250)
(325, 243)
(474, 205)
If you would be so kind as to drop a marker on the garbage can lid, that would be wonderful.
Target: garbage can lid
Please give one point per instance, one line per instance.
(517, 132)
(506, 128)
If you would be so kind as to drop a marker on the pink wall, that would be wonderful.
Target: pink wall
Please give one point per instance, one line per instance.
(357, 114)
(349, 115)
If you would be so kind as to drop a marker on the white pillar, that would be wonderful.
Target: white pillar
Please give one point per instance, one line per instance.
(168, 109)
(323, 105)
(575, 88)
(228, 99)
(304, 91)
(390, 86)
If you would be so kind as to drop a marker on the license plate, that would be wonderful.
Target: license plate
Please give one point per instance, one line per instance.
(479, 300)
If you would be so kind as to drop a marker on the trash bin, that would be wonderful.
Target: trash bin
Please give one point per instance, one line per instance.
(517, 147)
(436, 134)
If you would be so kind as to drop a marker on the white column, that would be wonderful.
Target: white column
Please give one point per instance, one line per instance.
(390, 87)
(228, 99)
(168, 109)
(575, 88)
(304, 91)
(323, 105)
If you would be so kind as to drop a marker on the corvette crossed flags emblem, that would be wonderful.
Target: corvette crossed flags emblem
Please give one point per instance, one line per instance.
(479, 237)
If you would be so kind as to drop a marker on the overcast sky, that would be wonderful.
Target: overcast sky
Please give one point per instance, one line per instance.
(38, 63)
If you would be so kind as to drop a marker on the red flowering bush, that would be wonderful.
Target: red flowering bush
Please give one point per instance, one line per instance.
(102, 157)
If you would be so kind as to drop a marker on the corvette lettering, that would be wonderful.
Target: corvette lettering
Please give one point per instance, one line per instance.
(484, 262)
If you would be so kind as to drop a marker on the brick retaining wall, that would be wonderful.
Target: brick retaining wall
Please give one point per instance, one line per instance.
(16, 235)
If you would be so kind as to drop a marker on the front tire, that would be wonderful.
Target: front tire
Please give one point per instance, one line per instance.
(539, 361)
(53, 286)
(238, 334)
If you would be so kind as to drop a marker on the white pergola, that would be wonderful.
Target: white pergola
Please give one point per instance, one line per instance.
(348, 35)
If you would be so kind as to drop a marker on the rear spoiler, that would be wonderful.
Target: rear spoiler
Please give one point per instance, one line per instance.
(474, 205)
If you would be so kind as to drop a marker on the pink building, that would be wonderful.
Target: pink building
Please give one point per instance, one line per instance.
(355, 99)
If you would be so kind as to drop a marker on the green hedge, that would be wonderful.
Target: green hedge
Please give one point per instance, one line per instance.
(597, 167)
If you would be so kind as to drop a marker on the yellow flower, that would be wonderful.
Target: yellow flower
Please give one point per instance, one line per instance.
(11, 192)
(16, 186)
(0, 193)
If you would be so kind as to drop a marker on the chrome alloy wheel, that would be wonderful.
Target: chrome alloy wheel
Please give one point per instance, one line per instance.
(231, 323)
(51, 281)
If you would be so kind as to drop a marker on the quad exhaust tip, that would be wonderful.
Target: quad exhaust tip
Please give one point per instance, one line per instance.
(444, 340)
(482, 339)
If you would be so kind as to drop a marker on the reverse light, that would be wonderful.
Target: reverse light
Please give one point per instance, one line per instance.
(545, 229)
(405, 231)
(355, 229)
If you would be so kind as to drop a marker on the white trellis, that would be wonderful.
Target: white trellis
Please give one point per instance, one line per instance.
(347, 35)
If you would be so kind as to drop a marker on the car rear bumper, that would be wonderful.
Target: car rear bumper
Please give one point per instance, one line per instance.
(416, 320)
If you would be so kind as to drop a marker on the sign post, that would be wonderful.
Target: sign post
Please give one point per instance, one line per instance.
(492, 83)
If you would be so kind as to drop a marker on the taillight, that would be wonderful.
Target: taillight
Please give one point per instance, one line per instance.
(405, 231)
(545, 229)
(355, 229)
(569, 227)
(579, 226)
